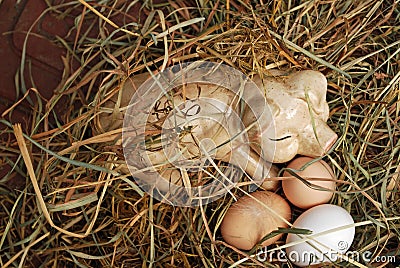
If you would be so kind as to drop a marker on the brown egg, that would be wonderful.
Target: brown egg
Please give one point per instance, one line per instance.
(298, 193)
(247, 221)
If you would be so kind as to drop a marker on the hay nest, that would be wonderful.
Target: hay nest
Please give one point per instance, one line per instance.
(75, 208)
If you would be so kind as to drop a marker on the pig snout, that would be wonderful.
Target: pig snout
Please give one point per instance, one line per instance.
(317, 139)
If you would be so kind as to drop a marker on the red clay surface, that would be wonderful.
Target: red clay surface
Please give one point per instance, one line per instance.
(43, 67)
(43, 64)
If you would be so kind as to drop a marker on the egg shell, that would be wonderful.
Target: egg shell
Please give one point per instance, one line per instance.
(320, 219)
(247, 221)
(298, 193)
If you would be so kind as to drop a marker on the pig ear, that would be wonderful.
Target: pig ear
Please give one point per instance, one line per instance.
(310, 86)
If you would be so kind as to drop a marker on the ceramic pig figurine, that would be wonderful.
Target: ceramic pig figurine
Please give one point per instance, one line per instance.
(297, 124)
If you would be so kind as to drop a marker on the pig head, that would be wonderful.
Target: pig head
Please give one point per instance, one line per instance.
(299, 111)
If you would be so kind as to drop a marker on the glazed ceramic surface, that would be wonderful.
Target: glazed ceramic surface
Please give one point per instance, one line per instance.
(295, 124)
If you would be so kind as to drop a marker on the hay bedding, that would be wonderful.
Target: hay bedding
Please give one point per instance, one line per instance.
(76, 209)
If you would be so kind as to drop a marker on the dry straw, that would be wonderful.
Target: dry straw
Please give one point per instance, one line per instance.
(66, 202)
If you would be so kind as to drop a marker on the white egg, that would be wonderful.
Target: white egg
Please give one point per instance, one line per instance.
(332, 234)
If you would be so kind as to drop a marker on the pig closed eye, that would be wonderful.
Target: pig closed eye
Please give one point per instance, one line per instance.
(193, 110)
(281, 139)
